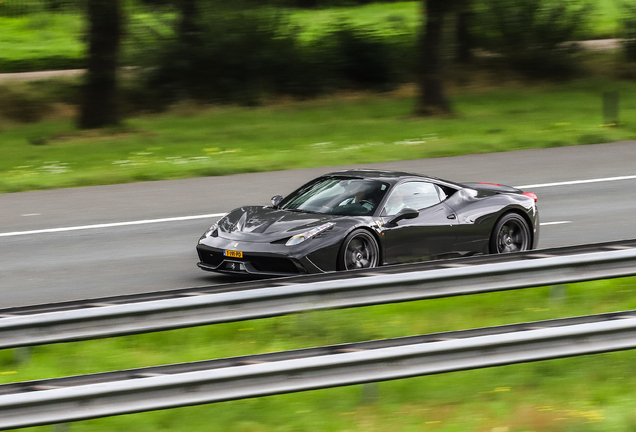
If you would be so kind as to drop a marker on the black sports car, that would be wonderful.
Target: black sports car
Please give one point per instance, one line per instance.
(363, 218)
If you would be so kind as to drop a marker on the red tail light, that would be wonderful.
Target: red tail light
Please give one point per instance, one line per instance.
(531, 195)
(492, 184)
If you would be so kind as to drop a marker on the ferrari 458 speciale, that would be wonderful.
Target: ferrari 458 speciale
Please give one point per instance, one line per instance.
(364, 218)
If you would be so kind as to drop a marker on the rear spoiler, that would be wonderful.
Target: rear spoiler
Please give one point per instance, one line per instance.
(497, 188)
(494, 187)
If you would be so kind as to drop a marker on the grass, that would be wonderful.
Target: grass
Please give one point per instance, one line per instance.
(386, 19)
(591, 393)
(191, 141)
(57, 41)
(40, 35)
(41, 41)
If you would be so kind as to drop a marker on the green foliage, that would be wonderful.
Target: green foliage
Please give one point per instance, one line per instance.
(147, 31)
(234, 55)
(41, 41)
(317, 3)
(44, 63)
(355, 56)
(12, 8)
(29, 102)
(247, 55)
(19, 103)
(628, 24)
(533, 36)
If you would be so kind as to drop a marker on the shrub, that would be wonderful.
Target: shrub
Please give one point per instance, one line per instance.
(245, 55)
(533, 36)
(41, 63)
(30, 101)
(314, 3)
(628, 24)
(64, 90)
(235, 55)
(148, 32)
(19, 102)
(354, 57)
(12, 8)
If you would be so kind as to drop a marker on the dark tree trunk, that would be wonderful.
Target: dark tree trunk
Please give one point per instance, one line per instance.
(100, 100)
(187, 26)
(464, 36)
(188, 43)
(432, 99)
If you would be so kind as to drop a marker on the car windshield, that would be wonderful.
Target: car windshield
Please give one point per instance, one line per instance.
(338, 196)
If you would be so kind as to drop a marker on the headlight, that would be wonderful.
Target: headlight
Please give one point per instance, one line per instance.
(299, 238)
(211, 232)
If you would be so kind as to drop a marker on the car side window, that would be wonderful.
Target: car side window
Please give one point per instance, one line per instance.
(415, 195)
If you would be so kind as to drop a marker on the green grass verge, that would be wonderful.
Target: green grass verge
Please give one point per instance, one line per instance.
(42, 41)
(56, 40)
(591, 393)
(190, 141)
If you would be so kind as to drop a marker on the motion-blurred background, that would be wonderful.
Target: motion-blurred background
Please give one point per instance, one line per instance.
(182, 88)
(97, 92)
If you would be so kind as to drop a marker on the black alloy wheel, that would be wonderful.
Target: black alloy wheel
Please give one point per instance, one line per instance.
(359, 250)
(511, 234)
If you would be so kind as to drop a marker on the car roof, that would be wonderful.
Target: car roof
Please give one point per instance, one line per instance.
(385, 175)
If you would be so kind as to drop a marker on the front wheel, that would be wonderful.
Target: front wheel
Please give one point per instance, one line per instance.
(359, 250)
(511, 234)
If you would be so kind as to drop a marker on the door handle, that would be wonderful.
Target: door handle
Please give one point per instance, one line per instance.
(451, 216)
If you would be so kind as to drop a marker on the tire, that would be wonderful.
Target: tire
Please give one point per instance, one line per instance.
(511, 234)
(359, 250)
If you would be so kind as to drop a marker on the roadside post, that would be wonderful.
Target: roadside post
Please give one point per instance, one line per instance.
(610, 108)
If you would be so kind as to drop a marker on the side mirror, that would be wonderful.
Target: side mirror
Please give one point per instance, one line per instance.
(276, 199)
(405, 213)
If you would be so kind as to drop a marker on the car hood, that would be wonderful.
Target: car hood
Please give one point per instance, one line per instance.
(264, 224)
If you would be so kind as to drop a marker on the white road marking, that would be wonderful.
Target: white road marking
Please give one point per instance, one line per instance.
(575, 182)
(185, 218)
(109, 225)
(31, 214)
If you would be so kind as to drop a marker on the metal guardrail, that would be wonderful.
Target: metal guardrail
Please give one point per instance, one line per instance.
(197, 308)
(122, 392)
(323, 277)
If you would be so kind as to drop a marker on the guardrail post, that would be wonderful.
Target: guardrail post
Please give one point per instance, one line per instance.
(62, 427)
(558, 293)
(22, 355)
(370, 393)
(610, 108)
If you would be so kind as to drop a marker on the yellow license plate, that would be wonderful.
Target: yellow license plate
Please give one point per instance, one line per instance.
(233, 254)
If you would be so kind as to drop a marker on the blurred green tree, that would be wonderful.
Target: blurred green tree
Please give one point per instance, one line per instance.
(534, 37)
(100, 104)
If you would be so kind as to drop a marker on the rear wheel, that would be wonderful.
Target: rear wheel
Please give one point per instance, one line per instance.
(511, 234)
(359, 250)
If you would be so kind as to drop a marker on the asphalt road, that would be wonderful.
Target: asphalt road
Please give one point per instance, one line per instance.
(88, 261)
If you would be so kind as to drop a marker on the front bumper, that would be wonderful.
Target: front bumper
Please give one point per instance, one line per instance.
(253, 262)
